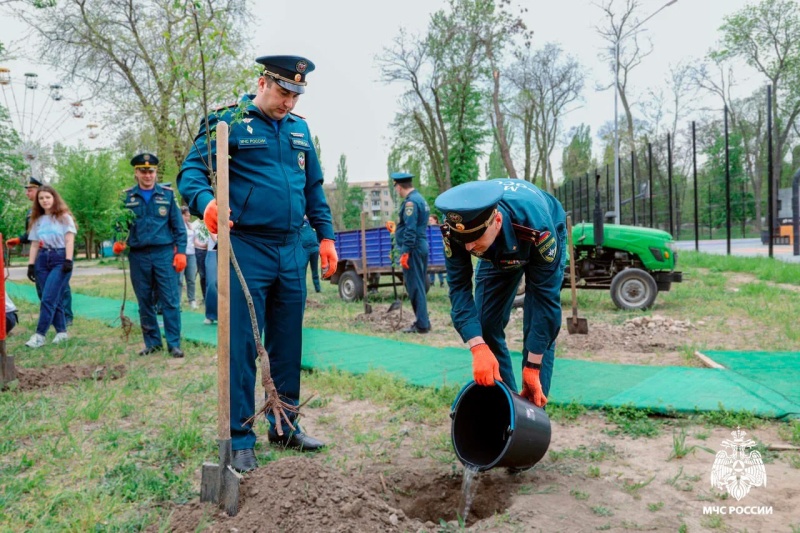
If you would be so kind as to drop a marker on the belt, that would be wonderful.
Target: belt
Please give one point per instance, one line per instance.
(269, 236)
(52, 249)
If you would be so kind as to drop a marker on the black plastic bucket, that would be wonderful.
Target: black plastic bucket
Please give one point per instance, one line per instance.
(492, 426)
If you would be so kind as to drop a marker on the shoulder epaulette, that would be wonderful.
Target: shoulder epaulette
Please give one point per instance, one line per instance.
(129, 189)
(527, 234)
(298, 116)
(224, 106)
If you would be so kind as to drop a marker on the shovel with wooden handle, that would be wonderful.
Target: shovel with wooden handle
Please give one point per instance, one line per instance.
(574, 324)
(220, 482)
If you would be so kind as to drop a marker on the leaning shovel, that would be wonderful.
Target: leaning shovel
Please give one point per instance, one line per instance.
(574, 324)
(220, 482)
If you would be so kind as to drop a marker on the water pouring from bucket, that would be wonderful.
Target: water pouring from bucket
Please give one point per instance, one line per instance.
(493, 426)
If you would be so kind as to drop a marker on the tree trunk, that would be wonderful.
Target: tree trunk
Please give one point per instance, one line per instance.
(500, 129)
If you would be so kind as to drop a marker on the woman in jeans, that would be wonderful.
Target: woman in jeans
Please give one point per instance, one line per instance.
(52, 236)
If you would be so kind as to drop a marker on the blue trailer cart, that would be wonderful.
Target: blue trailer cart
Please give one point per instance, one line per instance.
(350, 271)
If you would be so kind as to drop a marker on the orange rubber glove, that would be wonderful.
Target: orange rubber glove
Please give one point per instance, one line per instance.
(211, 217)
(391, 226)
(329, 259)
(532, 387)
(12, 242)
(404, 261)
(118, 247)
(485, 368)
(179, 263)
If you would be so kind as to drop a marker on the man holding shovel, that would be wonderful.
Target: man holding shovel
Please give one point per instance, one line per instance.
(514, 228)
(275, 179)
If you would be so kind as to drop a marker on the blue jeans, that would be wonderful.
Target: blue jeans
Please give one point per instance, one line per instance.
(200, 255)
(189, 274)
(53, 282)
(211, 285)
(433, 278)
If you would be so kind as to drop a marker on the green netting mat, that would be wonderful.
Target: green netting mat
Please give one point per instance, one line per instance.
(760, 382)
(780, 371)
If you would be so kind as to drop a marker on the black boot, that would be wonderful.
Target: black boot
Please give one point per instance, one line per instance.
(244, 460)
(296, 439)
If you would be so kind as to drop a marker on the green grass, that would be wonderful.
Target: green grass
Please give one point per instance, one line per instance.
(109, 454)
(632, 422)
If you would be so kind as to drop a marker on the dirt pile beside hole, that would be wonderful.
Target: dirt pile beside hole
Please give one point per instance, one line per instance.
(381, 320)
(301, 495)
(657, 324)
(47, 376)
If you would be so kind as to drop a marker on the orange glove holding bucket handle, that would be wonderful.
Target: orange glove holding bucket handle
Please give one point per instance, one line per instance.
(532, 384)
(485, 368)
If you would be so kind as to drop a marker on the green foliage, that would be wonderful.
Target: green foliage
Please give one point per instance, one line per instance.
(13, 202)
(712, 187)
(495, 167)
(464, 116)
(577, 155)
(91, 184)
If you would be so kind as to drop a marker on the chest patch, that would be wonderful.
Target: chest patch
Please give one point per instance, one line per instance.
(162, 210)
(249, 142)
(300, 143)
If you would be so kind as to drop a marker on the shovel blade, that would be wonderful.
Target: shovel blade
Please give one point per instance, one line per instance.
(219, 483)
(395, 306)
(577, 325)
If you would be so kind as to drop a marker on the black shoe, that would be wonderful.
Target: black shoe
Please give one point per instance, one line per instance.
(176, 352)
(151, 349)
(413, 328)
(244, 460)
(295, 439)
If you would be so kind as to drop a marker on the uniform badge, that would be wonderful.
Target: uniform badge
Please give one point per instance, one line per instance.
(447, 251)
(162, 211)
(547, 247)
(247, 120)
(298, 77)
(301, 66)
(454, 217)
(301, 160)
(409, 208)
(460, 227)
(250, 130)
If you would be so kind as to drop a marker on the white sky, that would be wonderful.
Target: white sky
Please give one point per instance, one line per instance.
(350, 110)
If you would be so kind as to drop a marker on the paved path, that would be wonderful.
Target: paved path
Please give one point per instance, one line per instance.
(20, 273)
(743, 247)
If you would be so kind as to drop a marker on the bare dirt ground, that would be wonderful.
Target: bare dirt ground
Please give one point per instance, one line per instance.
(48, 376)
(407, 480)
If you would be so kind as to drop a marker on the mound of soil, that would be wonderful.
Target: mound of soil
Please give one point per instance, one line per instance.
(382, 320)
(47, 376)
(302, 495)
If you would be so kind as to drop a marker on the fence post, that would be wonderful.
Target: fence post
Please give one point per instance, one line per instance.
(696, 203)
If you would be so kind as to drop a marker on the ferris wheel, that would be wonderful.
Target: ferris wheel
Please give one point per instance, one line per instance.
(43, 115)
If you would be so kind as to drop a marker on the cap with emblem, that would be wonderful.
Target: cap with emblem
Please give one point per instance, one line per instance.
(144, 161)
(468, 208)
(33, 182)
(402, 177)
(289, 71)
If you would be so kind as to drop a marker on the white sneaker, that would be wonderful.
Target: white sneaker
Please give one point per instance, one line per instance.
(208, 321)
(60, 337)
(193, 304)
(36, 341)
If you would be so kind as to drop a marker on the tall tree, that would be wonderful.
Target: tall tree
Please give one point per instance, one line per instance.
(624, 51)
(340, 194)
(547, 82)
(767, 37)
(91, 184)
(143, 58)
(445, 72)
(13, 203)
(577, 155)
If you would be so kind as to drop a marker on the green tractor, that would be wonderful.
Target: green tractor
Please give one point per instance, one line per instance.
(635, 263)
